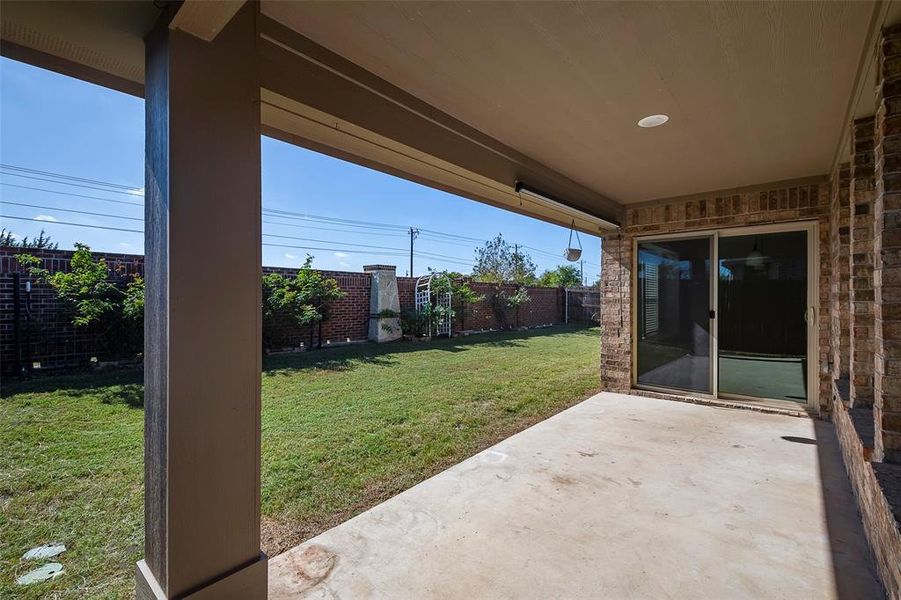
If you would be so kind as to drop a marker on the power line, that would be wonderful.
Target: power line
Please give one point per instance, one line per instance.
(309, 217)
(72, 224)
(394, 235)
(430, 234)
(27, 187)
(369, 250)
(290, 237)
(70, 210)
(72, 177)
(90, 187)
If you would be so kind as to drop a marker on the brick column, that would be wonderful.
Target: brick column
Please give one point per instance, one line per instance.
(863, 191)
(887, 250)
(840, 274)
(616, 313)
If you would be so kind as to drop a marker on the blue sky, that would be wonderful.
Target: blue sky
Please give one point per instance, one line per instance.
(61, 126)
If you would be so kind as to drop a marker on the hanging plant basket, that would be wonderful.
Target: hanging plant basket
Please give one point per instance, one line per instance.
(572, 253)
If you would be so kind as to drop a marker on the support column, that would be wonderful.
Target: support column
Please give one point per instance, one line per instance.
(203, 326)
(887, 250)
(840, 278)
(616, 313)
(862, 324)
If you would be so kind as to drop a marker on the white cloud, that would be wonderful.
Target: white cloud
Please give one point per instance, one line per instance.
(124, 244)
(45, 218)
(344, 264)
(290, 257)
(341, 255)
(137, 192)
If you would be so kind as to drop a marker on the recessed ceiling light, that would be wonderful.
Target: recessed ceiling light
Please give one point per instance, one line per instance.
(653, 121)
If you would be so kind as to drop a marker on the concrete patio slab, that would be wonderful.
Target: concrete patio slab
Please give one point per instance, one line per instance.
(617, 497)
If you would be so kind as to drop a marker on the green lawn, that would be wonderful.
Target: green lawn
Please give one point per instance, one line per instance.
(343, 429)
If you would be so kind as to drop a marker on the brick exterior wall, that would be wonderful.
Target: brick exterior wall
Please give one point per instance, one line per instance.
(616, 314)
(879, 522)
(839, 286)
(766, 205)
(863, 191)
(56, 343)
(887, 250)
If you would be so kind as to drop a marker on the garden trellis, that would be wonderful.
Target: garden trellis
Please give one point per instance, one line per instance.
(433, 297)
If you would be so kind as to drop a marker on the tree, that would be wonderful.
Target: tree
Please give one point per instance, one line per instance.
(42, 242)
(95, 299)
(562, 276)
(503, 300)
(304, 299)
(499, 262)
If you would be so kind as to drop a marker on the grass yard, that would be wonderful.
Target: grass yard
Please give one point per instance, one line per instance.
(343, 429)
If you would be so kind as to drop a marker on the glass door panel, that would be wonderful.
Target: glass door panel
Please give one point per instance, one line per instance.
(673, 320)
(762, 328)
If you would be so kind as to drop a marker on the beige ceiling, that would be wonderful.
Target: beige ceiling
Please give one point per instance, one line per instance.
(756, 91)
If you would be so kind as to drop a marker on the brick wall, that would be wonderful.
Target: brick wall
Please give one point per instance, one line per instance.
(863, 191)
(55, 343)
(545, 307)
(876, 513)
(887, 250)
(348, 317)
(839, 286)
(760, 206)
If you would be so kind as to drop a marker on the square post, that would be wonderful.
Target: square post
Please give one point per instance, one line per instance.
(203, 326)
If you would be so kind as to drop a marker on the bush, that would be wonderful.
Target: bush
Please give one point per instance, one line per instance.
(108, 304)
(302, 300)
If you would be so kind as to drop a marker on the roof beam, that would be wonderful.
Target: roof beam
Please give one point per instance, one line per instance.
(205, 19)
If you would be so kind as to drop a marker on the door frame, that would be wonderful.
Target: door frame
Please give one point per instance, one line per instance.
(812, 315)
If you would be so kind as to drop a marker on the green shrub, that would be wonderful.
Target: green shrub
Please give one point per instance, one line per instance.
(97, 300)
(302, 300)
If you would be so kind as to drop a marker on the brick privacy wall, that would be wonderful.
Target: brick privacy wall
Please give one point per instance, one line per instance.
(546, 306)
(862, 323)
(55, 343)
(839, 286)
(695, 213)
(348, 317)
(887, 249)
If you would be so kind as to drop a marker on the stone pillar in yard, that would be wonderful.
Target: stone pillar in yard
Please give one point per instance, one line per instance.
(383, 296)
(887, 250)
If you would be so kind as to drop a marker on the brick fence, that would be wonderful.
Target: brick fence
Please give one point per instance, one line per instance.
(54, 342)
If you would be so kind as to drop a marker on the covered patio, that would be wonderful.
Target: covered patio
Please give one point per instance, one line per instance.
(618, 497)
(742, 162)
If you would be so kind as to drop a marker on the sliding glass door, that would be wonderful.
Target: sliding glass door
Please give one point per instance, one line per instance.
(763, 313)
(743, 329)
(674, 314)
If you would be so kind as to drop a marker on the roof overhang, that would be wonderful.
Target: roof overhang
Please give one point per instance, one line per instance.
(471, 98)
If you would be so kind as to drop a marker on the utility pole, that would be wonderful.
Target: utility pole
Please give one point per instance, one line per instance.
(516, 261)
(582, 272)
(413, 235)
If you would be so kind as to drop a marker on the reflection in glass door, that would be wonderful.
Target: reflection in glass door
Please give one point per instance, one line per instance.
(673, 314)
(762, 324)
